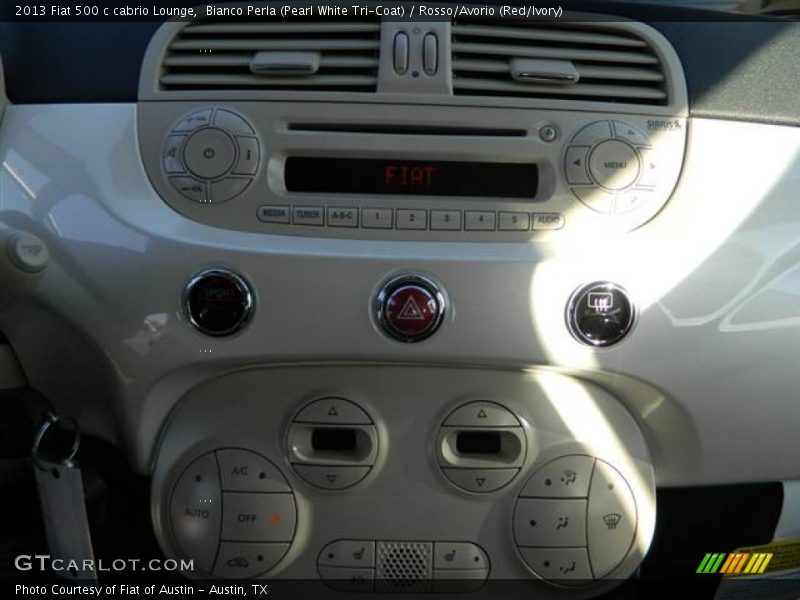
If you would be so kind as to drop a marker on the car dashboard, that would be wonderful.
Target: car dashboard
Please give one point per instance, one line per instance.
(412, 305)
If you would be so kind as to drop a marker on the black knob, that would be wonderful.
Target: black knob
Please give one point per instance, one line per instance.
(218, 302)
(600, 314)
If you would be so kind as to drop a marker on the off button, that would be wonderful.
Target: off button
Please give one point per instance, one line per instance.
(410, 308)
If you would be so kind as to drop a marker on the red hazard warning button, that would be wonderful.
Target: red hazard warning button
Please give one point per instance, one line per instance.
(410, 308)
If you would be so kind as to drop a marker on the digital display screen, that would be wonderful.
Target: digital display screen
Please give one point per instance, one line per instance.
(415, 177)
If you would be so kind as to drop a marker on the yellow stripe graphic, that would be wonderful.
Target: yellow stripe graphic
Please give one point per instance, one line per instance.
(767, 558)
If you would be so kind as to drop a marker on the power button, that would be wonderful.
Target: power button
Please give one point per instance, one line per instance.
(600, 314)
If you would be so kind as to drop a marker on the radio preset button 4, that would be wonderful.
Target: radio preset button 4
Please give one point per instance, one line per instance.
(479, 220)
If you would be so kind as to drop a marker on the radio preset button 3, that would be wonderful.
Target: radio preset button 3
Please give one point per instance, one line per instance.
(446, 220)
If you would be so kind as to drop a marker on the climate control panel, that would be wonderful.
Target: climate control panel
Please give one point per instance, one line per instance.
(405, 479)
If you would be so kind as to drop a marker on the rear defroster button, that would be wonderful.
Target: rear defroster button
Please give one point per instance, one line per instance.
(410, 308)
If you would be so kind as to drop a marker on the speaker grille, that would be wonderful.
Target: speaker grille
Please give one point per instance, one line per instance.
(403, 567)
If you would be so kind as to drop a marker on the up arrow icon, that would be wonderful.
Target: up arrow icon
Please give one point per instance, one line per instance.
(482, 414)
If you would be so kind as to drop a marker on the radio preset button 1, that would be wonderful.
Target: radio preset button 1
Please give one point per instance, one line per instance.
(446, 220)
(308, 215)
(376, 218)
(514, 221)
(273, 214)
(342, 217)
(209, 153)
(412, 218)
(479, 220)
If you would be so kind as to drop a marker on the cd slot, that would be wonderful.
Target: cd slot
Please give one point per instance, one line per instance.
(391, 129)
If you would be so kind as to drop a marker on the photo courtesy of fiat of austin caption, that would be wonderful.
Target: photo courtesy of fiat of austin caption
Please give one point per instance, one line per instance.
(138, 590)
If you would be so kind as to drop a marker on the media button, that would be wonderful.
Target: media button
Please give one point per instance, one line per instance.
(273, 214)
(308, 215)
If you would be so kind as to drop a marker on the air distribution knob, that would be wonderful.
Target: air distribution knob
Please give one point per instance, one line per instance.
(218, 302)
(410, 308)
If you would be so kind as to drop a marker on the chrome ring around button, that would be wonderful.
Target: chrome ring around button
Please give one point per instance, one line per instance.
(422, 311)
(600, 314)
(198, 318)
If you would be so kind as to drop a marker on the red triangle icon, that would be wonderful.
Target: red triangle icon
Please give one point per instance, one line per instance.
(411, 311)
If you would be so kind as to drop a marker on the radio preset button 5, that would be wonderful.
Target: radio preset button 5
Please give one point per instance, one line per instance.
(514, 221)
(209, 153)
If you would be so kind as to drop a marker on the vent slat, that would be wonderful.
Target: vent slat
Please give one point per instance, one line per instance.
(255, 44)
(576, 91)
(252, 81)
(566, 53)
(585, 71)
(217, 55)
(281, 27)
(243, 60)
(613, 64)
(545, 35)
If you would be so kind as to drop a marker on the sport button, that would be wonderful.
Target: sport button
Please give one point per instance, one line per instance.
(410, 308)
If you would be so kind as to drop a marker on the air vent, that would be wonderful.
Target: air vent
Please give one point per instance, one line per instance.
(580, 61)
(330, 56)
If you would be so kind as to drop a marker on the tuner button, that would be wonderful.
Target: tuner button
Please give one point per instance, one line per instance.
(218, 302)
(410, 308)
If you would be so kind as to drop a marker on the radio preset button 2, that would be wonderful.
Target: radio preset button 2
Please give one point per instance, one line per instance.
(412, 218)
